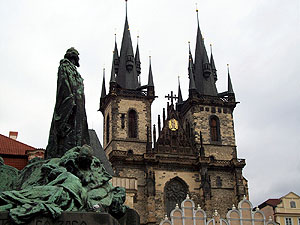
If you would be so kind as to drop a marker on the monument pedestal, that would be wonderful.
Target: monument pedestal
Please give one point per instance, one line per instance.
(68, 218)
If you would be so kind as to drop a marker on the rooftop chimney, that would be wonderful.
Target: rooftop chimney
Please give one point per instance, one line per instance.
(13, 135)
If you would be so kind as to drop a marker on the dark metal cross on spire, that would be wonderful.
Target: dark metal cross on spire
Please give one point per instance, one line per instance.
(171, 97)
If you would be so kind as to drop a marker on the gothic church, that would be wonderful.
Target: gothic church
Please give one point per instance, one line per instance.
(190, 151)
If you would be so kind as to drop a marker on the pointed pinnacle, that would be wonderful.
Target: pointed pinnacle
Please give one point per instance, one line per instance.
(112, 76)
(103, 92)
(192, 85)
(150, 77)
(230, 88)
(180, 100)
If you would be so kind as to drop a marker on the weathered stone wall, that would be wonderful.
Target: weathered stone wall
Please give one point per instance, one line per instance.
(222, 196)
(136, 147)
(107, 112)
(199, 118)
(143, 109)
(220, 152)
(162, 177)
(140, 203)
(190, 178)
(119, 107)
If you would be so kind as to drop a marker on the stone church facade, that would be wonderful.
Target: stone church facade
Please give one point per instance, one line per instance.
(191, 150)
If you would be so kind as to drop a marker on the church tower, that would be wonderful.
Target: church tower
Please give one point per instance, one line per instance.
(127, 105)
(126, 109)
(191, 151)
(207, 117)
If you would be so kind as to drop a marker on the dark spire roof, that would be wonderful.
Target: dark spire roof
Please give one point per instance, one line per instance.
(150, 76)
(103, 92)
(212, 64)
(180, 100)
(230, 88)
(204, 82)
(113, 74)
(191, 62)
(115, 63)
(137, 57)
(116, 53)
(127, 76)
(192, 85)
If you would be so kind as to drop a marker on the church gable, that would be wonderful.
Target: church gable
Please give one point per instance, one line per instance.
(173, 137)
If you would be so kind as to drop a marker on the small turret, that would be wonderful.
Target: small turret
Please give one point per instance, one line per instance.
(180, 100)
(206, 64)
(129, 57)
(116, 59)
(112, 82)
(191, 62)
(103, 92)
(137, 60)
(150, 86)
(230, 88)
(192, 86)
(212, 64)
(230, 91)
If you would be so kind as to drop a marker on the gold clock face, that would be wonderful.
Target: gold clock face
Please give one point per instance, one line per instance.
(173, 124)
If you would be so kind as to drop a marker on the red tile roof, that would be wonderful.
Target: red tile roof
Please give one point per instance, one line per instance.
(10, 146)
(271, 201)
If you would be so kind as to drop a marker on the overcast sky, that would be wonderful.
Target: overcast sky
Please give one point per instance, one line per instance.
(259, 39)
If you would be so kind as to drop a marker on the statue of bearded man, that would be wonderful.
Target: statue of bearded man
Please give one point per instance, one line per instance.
(69, 123)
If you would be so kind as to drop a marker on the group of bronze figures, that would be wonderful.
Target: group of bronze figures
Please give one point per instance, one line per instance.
(70, 178)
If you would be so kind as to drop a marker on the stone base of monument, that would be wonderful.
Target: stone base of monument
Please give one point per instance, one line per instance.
(68, 218)
(80, 218)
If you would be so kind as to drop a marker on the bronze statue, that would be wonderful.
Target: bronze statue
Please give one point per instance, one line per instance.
(69, 123)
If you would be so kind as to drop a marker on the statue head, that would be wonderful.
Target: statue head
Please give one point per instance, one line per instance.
(73, 55)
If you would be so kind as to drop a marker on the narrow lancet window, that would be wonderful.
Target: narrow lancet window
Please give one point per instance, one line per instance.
(215, 129)
(107, 129)
(132, 124)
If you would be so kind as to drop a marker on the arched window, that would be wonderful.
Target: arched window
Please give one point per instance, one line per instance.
(293, 204)
(107, 129)
(132, 124)
(214, 128)
(175, 192)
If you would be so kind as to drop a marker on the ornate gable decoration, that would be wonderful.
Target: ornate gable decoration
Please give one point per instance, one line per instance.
(189, 214)
(173, 138)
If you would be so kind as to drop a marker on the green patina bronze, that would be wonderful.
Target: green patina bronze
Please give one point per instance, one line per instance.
(75, 182)
(71, 178)
(69, 123)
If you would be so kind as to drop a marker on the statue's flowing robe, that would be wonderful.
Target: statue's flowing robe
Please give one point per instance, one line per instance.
(69, 123)
(49, 187)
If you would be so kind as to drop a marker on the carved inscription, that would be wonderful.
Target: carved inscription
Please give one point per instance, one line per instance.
(60, 222)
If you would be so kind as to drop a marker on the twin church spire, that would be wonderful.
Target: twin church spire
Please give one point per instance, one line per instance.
(126, 66)
(202, 72)
(202, 68)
